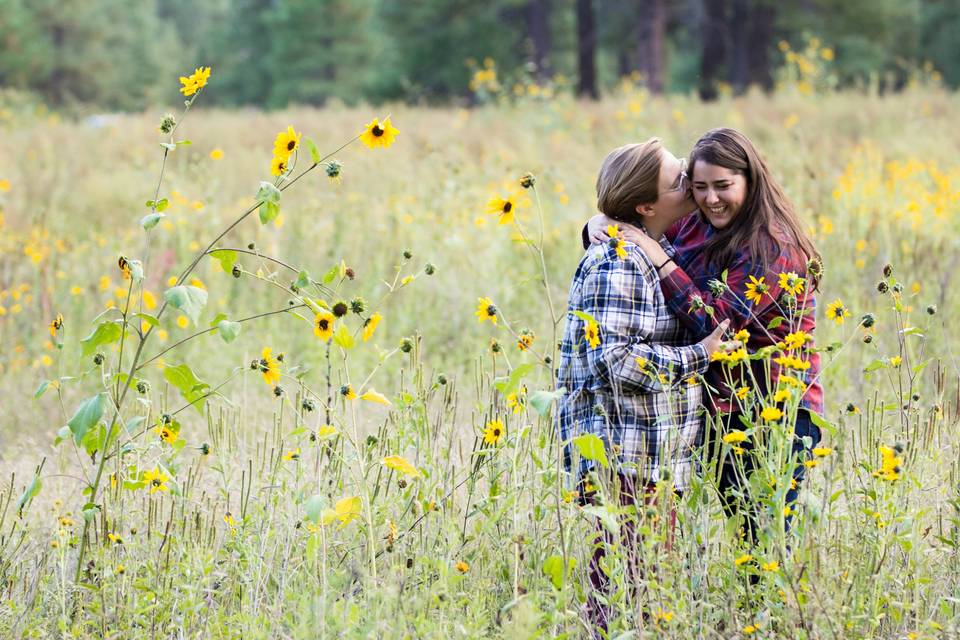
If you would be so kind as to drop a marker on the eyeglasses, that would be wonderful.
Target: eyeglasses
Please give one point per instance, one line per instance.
(683, 180)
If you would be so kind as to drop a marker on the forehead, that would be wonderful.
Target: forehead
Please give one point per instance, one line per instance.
(706, 172)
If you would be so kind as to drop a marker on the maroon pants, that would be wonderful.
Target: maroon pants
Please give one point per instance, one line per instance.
(598, 614)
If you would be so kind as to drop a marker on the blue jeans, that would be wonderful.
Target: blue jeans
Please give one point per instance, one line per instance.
(736, 470)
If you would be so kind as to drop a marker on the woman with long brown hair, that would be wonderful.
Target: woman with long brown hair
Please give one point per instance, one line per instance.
(744, 257)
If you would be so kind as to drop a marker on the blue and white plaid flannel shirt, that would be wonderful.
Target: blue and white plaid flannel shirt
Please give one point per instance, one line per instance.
(640, 389)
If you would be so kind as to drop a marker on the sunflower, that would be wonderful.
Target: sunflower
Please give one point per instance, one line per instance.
(279, 165)
(735, 437)
(323, 325)
(791, 283)
(797, 339)
(837, 311)
(55, 325)
(755, 289)
(486, 310)
(494, 432)
(196, 81)
(770, 414)
(378, 134)
(525, 340)
(370, 325)
(616, 241)
(286, 143)
(504, 207)
(156, 480)
(269, 367)
(167, 434)
(591, 333)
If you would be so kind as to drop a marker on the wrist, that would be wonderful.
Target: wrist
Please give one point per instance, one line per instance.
(667, 260)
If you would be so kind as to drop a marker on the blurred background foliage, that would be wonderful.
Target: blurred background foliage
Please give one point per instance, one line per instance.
(119, 54)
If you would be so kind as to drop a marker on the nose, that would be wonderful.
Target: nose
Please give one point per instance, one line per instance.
(711, 197)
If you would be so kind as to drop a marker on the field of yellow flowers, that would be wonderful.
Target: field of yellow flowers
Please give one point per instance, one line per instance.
(288, 374)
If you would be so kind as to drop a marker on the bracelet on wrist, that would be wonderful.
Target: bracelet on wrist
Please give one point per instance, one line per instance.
(663, 264)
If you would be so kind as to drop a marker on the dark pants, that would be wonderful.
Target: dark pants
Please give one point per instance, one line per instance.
(598, 614)
(736, 470)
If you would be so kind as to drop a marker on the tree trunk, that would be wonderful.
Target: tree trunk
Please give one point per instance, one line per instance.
(740, 44)
(650, 38)
(760, 40)
(586, 50)
(713, 36)
(538, 28)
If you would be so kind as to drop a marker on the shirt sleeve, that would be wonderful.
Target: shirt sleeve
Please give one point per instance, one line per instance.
(681, 294)
(619, 298)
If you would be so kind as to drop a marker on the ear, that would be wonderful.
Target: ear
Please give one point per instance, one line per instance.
(644, 210)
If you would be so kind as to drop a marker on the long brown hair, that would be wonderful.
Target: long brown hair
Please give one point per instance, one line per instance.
(767, 219)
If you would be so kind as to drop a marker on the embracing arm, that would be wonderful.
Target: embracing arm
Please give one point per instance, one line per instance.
(617, 296)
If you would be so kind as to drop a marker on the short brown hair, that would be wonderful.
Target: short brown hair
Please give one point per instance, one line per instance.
(630, 175)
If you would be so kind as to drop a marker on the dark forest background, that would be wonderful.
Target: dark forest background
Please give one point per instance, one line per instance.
(120, 54)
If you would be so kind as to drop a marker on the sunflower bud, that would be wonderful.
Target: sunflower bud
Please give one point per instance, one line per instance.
(407, 254)
(406, 345)
(429, 269)
(495, 345)
(815, 268)
(441, 379)
(307, 405)
(236, 271)
(882, 287)
(334, 169)
(143, 387)
(527, 180)
(205, 449)
(898, 288)
(932, 310)
(717, 287)
(278, 391)
(372, 440)
(252, 246)
(887, 270)
(167, 123)
(357, 305)
(867, 338)
(868, 320)
(98, 359)
(166, 418)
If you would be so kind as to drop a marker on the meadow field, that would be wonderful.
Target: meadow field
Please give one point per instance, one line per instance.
(395, 473)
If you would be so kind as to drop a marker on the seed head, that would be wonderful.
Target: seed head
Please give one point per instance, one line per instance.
(867, 338)
(887, 270)
(495, 345)
(236, 271)
(278, 391)
(441, 379)
(98, 359)
(897, 288)
(932, 310)
(868, 320)
(340, 309)
(167, 123)
(205, 449)
(429, 269)
(351, 274)
(357, 305)
(882, 286)
(143, 387)
(406, 345)
(527, 180)
(308, 405)
(407, 254)
(334, 169)
(252, 246)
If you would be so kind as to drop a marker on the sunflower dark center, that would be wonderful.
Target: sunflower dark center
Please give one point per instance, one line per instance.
(156, 482)
(323, 324)
(491, 310)
(507, 207)
(377, 130)
(291, 145)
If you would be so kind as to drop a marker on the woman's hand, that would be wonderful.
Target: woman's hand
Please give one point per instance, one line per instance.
(597, 228)
(647, 244)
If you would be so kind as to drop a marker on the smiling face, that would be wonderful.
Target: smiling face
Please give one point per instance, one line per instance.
(674, 200)
(719, 192)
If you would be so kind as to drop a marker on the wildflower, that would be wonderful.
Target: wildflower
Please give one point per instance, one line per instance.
(401, 464)
(891, 464)
(661, 615)
(735, 356)
(55, 325)
(120, 569)
(347, 392)
(771, 414)
(591, 333)
(494, 432)
(773, 565)
(791, 283)
(156, 480)
(334, 170)
(323, 325)
(797, 339)
(269, 367)
(755, 289)
(743, 392)
(717, 287)
(124, 265)
(787, 511)
(527, 180)
(810, 464)
(66, 521)
(486, 310)
(462, 566)
(735, 436)
(286, 143)
(504, 207)
(852, 408)
(326, 431)
(292, 455)
(370, 325)
(742, 560)
(114, 538)
(167, 434)
(616, 241)
(743, 336)
(515, 402)
(371, 395)
(896, 361)
(751, 628)
(216, 154)
(792, 362)
(378, 134)
(837, 311)
(822, 452)
(641, 362)
(696, 303)
(278, 166)
(196, 81)
(782, 395)
(168, 123)
(525, 340)
(229, 519)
